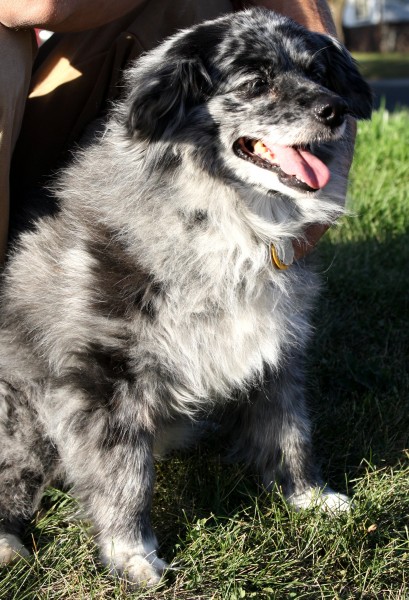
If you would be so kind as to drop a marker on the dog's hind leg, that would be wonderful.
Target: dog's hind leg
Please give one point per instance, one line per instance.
(273, 434)
(27, 461)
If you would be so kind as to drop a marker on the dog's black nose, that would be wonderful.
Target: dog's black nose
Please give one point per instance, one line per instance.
(330, 111)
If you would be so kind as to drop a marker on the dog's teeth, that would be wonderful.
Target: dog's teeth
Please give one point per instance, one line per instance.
(261, 150)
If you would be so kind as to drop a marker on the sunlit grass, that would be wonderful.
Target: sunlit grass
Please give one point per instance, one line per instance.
(387, 65)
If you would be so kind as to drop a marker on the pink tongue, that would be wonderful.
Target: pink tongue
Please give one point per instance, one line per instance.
(301, 163)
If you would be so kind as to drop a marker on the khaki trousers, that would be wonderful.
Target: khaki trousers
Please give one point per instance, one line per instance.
(77, 74)
(17, 51)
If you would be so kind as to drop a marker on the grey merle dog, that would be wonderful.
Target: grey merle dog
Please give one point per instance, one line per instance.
(151, 300)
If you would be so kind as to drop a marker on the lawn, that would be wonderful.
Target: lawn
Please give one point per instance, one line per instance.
(226, 539)
(383, 65)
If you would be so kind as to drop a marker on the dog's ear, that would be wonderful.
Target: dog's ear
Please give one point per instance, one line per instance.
(162, 92)
(345, 79)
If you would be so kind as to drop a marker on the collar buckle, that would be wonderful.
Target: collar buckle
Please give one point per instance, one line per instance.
(282, 254)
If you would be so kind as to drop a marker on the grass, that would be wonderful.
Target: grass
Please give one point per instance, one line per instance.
(228, 540)
(383, 65)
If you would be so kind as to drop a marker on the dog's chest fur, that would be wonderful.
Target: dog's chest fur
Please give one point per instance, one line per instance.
(212, 310)
(209, 337)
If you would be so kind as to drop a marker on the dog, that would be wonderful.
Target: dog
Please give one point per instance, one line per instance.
(164, 289)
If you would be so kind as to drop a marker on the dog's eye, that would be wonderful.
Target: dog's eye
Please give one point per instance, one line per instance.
(317, 74)
(255, 87)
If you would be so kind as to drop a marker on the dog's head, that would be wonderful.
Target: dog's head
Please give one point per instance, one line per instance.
(254, 92)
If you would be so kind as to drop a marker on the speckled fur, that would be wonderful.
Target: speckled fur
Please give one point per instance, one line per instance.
(150, 298)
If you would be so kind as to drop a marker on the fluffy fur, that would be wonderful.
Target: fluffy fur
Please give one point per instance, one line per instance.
(150, 300)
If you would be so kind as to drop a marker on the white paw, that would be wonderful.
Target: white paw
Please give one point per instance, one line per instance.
(137, 564)
(324, 499)
(11, 549)
(142, 571)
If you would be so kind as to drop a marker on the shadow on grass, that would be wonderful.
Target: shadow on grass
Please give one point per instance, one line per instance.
(359, 358)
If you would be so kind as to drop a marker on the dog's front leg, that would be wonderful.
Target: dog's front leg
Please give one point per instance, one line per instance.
(107, 455)
(274, 435)
(125, 536)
